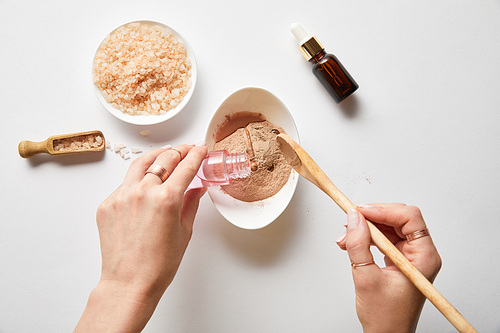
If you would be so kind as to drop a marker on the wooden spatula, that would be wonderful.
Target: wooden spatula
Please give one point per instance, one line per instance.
(297, 157)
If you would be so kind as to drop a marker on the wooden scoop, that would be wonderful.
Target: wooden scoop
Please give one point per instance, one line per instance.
(53, 145)
(307, 168)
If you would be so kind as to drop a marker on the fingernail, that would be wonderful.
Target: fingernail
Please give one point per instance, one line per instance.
(201, 143)
(352, 219)
(341, 238)
(167, 147)
(365, 206)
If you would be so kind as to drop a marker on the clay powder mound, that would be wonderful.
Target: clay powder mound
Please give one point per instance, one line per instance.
(273, 170)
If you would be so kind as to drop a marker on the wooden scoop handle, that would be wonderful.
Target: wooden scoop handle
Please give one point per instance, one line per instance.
(29, 148)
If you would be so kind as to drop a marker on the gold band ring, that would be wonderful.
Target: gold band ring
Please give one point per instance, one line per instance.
(180, 154)
(417, 234)
(159, 171)
(353, 265)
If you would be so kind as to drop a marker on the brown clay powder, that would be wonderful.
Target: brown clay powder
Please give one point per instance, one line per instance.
(272, 171)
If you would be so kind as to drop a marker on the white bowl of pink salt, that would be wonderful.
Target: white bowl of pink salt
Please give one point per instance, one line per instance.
(248, 121)
(144, 72)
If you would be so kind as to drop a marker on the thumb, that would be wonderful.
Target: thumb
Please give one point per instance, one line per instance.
(190, 205)
(358, 241)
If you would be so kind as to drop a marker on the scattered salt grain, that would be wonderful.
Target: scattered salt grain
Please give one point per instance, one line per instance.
(136, 150)
(124, 154)
(120, 149)
(118, 146)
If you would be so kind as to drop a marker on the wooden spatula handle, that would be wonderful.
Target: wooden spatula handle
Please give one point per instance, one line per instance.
(298, 158)
(404, 265)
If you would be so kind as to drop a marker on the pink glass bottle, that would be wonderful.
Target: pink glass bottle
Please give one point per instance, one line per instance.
(220, 168)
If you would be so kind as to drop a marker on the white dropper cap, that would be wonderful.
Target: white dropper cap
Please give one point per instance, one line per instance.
(309, 45)
(299, 33)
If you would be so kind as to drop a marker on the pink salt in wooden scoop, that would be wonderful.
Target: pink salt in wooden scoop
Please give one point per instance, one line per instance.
(74, 143)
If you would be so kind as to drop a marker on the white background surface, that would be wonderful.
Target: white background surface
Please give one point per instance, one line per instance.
(422, 129)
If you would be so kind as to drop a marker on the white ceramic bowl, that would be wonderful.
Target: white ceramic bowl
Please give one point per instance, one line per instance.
(257, 214)
(152, 119)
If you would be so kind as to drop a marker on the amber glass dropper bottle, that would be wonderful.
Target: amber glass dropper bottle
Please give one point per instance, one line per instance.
(326, 67)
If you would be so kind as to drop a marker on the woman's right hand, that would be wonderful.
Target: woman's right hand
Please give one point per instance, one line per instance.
(386, 301)
(144, 229)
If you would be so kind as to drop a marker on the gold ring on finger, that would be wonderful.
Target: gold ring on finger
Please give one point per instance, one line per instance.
(159, 171)
(417, 234)
(353, 265)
